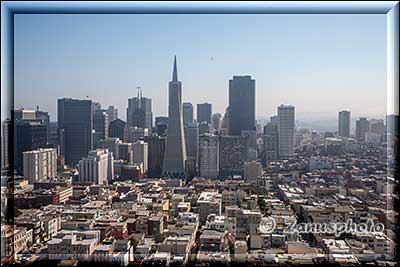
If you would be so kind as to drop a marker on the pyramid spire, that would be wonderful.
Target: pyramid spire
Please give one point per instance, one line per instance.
(175, 72)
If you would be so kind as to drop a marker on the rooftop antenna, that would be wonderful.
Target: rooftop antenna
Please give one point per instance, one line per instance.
(139, 91)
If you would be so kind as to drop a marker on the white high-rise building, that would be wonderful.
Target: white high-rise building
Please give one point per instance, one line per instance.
(286, 131)
(208, 156)
(175, 148)
(40, 165)
(141, 154)
(97, 167)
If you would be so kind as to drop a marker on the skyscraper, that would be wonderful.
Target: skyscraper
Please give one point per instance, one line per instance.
(270, 142)
(141, 154)
(100, 126)
(75, 124)
(192, 139)
(344, 123)
(117, 128)
(187, 113)
(208, 156)
(362, 126)
(156, 149)
(285, 131)
(5, 143)
(232, 155)
(112, 113)
(242, 104)
(204, 112)
(175, 149)
(216, 121)
(28, 135)
(139, 112)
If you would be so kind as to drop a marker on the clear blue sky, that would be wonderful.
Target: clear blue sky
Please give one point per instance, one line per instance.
(319, 63)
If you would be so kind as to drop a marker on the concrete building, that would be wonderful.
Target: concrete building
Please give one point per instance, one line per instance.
(175, 148)
(136, 134)
(344, 123)
(216, 121)
(252, 170)
(242, 104)
(362, 126)
(286, 119)
(97, 167)
(270, 144)
(208, 203)
(209, 156)
(141, 154)
(40, 165)
(232, 155)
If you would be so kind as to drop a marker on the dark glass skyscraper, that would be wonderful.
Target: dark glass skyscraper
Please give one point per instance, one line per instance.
(29, 135)
(187, 113)
(242, 104)
(204, 112)
(75, 124)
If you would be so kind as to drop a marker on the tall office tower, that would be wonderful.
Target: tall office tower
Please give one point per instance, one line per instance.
(175, 149)
(204, 112)
(216, 121)
(251, 138)
(232, 155)
(112, 113)
(28, 135)
(95, 106)
(44, 117)
(139, 112)
(136, 134)
(111, 144)
(274, 119)
(242, 104)
(192, 139)
(40, 165)
(97, 167)
(204, 127)
(344, 123)
(141, 154)
(5, 137)
(392, 124)
(209, 156)
(75, 124)
(156, 149)
(125, 152)
(377, 126)
(362, 126)
(271, 142)
(252, 171)
(187, 113)
(286, 131)
(117, 128)
(100, 126)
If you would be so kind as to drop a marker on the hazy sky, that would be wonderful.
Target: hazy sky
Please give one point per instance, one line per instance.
(319, 63)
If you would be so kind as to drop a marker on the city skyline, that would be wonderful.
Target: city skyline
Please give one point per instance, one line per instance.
(211, 70)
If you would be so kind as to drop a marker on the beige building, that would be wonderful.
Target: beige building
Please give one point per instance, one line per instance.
(40, 165)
